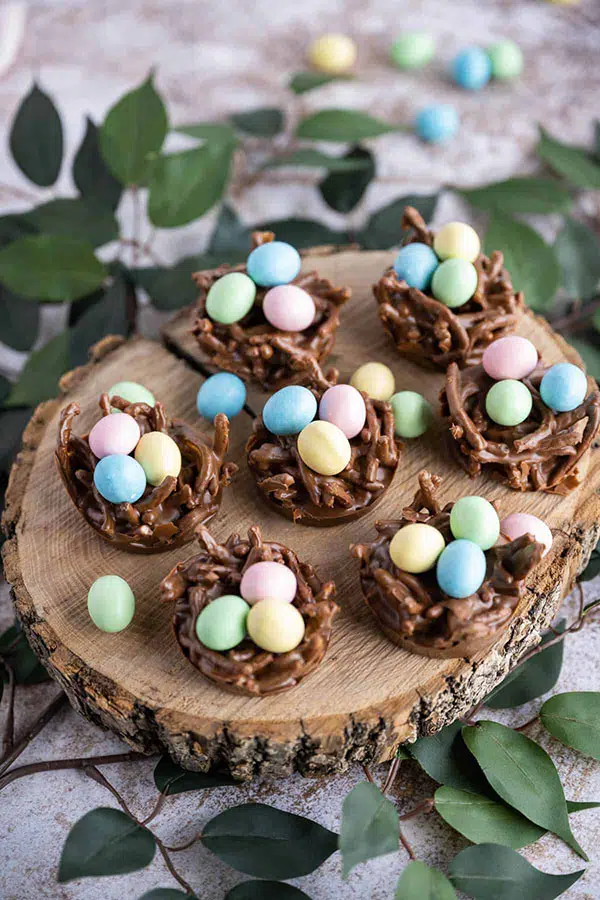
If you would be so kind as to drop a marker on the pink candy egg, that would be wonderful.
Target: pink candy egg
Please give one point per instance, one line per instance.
(114, 434)
(343, 405)
(289, 308)
(516, 524)
(510, 357)
(268, 581)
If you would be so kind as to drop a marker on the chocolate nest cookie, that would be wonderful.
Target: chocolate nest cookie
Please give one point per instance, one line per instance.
(218, 570)
(412, 610)
(540, 454)
(256, 350)
(165, 516)
(429, 332)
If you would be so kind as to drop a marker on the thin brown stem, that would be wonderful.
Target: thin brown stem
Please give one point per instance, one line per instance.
(426, 806)
(8, 738)
(45, 716)
(187, 845)
(406, 845)
(55, 765)
(391, 775)
(96, 775)
(525, 725)
(368, 774)
(169, 864)
(157, 807)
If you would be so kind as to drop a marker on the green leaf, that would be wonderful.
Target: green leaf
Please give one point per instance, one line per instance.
(383, 230)
(577, 249)
(574, 806)
(343, 125)
(493, 872)
(107, 314)
(402, 752)
(183, 186)
(73, 217)
(230, 239)
(342, 191)
(597, 139)
(520, 195)
(39, 378)
(370, 826)
(593, 567)
(48, 267)
(36, 138)
(172, 288)
(172, 779)
(483, 820)
(13, 227)
(524, 776)
(15, 650)
(314, 159)
(445, 758)
(105, 841)
(590, 355)
(134, 128)
(265, 842)
(93, 179)
(531, 262)
(19, 320)
(265, 890)
(265, 122)
(532, 678)
(12, 425)
(574, 719)
(304, 233)
(165, 894)
(573, 163)
(301, 82)
(215, 132)
(419, 882)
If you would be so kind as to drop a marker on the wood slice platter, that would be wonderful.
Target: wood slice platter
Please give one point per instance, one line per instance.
(368, 696)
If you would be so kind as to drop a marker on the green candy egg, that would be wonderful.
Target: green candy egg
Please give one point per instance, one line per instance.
(222, 624)
(412, 414)
(132, 392)
(508, 402)
(111, 603)
(230, 298)
(412, 50)
(454, 282)
(475, 519)
(506, 59)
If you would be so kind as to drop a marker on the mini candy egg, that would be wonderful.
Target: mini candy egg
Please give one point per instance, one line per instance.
(460, 569)
(289, 410)
(111, 603)
(454, 282)
(132, 392)
(273, 263)
(506, 59)
(275, 626)
(343, 405)
(563, 387)
(221, 393)
(457, 240)
(375, 379)
(289, 307)
(268, 580)
(114, 434)
(436, 124)
(119, 479)
(412, 49)
(415, 264)
(508, 402)
(510, 357)
(230, 298)
(324, 448)
(221, 624)
(471, 68)
(412, 414)
(159, 456)
(516, 524)
(475, 519)
(415, 548)
(332, 53)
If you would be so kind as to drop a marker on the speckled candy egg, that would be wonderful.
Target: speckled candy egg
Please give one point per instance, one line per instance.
(415, 264)
(268, 580)
(471, 68)
(332, 53)
(221, 625)
(510, 357)
(475, 519)
(324, 448)
(508, 402)
(114, 434)
(289, 307)
(275, 626)
(273, 263)
(454, 282)
(289, 410)
(343, 405)
(110, 603)
(159, 456)
(436, 124)
(517, 524)
(416, 547)
(132, 392)
(563, 387)
(221, 393)
(119, 479)
(412, 49)
(412, 414)
(375, 379)
(457, 240)
(230, 298)
(460, 570)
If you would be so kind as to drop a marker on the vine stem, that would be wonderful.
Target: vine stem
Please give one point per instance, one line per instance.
(55, 765)
(47, 714)
(8, 738)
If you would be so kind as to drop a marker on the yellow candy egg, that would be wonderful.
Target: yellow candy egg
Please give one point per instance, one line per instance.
(374, 379)
(324, 448)
(416, 547)
(275, 626)
(457, 240)
(159, 456)
(332, 53)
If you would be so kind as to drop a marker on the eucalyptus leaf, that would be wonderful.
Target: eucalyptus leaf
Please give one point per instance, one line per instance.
(172, 287)
(265, 842)
(402, 752)
(165, 894)
(532, 678)
(593, 567)
(4, 389)
(105, 841)
(106, 315)
(265, 890)
(93, 179)
(341, 190)
(19, 320)
(12, 425)
(183, 186)
(590, 354)
(73, 217)
(530, 260)
(215, 132)
(597, 139)
(384, 229)
(573, 163)
(574, 719)
(304, 233)
(38, 380)
(301, 82)
(315, 159)
(446, 759)
(342, 125)
(172, 779)
(49, 267)
(520, 195)
(523, 775)
(231, 238)
(574, 806)
(577, 249)
(370, 826)
(482, 819)
(13, 227)
(419, 882)
(36, 138)
(265, 122)
(16, 652)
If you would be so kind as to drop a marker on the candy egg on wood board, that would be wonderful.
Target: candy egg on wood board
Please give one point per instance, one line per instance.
(415, 548)
(454, 282)
(508, 402)
(375, 379)
(114, 434)
(324, 448)
(457, 240)
(412, 414)
(110, 603)
(460, 569)
(475, 519)
(268, 580)
(517, 524)
(563, 387)
(221, 393)
(132, 392)
(437, 123)
(289, 410)
(289, 307)
(343, 405)
(471, 68)
(230, 298)
(415, 264)
(510, 357)
(221, 624)
(412, 49)
(275, 626)
(119, 478)
(334, 54)
(273, 263)
(159, 456)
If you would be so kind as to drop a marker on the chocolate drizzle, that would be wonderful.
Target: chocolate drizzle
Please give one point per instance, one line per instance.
(218, 570)
(540, 454)
(254, 349)
(165, 516)
(432, 334)
(412, 610)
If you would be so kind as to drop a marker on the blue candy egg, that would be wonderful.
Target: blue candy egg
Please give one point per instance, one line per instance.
(460, 568)
(289, 410)
(273, 263)
(563, 387)
(415, 264)
(221, 393)
(437, 124)
(472, 68)
(119, 478)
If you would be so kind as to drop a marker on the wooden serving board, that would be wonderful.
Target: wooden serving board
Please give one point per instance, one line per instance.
(368, 696)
